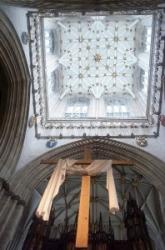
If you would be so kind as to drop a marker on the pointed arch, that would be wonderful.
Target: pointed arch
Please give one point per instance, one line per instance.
(27, 179)
(16, 89)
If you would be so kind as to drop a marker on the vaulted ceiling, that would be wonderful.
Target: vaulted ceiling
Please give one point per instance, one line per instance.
(99, 71)
(128, 182)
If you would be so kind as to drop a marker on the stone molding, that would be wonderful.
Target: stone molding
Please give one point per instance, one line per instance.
(93, 5)
(13, 127)
(5, 188)
(11, 212)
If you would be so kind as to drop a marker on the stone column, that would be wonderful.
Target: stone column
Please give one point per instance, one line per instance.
(11, 223)
(6, 216)
(2, 194)
(6, 201)
(10, 214)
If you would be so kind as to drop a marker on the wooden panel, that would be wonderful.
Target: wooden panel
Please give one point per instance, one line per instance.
(83, 217)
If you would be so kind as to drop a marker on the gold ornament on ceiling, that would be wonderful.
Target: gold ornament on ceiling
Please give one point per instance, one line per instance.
(97, 57)
(80, 75)
(114, 75)
(116, 39)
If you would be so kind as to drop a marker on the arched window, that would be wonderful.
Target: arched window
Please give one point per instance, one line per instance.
(49, 41)
(148, 39)
(77, 107)
(117, 108)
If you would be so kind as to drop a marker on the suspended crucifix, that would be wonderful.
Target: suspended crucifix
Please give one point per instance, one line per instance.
(85, 167)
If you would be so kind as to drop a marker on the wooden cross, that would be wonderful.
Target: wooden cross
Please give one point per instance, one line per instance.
(83, 216)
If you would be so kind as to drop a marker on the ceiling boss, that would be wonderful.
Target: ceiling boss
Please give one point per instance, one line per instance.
(97, 57)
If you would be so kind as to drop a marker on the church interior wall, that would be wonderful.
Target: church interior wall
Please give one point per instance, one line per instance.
(34, 148)
(22, 180)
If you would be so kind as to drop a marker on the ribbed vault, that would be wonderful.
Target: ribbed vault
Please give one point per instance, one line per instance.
(27, 179)
(128, 182)
(14, 88)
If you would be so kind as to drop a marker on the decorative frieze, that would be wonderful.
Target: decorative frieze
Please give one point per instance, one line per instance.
(77, 5)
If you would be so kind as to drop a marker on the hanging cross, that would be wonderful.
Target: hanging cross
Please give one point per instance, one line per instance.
(83, 216)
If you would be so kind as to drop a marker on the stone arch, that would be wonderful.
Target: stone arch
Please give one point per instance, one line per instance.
(27, 179)
(104, 5)
(14, 91)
